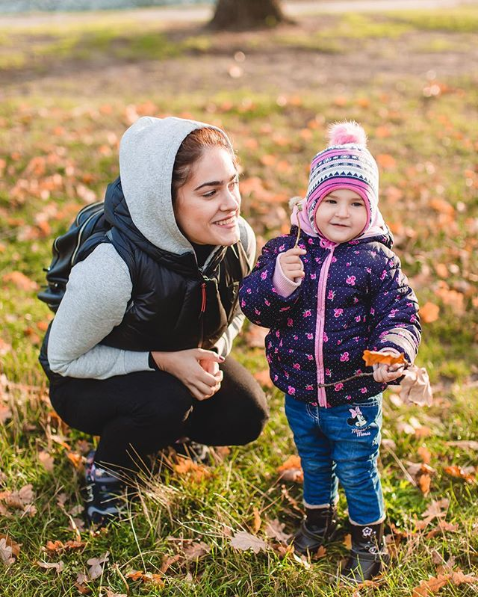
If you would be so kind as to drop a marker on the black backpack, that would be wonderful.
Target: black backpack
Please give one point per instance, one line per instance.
(89, 229)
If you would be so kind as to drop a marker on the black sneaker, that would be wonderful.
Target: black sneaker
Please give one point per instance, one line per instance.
(103, 494)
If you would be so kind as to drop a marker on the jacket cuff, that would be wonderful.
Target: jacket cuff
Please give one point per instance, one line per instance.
(136, 361)
(281, 282)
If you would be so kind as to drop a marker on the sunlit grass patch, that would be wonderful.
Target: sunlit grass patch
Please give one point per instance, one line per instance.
(360, 26)
(457, 20)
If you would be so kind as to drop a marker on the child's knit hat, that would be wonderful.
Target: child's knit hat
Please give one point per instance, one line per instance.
(345, 164)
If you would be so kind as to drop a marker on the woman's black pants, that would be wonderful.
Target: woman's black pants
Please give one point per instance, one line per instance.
(138, 414)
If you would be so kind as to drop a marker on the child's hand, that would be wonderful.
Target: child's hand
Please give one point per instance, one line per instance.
(291, 264)
(384, 373)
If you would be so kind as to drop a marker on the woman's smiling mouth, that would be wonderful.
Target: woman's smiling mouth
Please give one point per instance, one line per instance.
(231, 221)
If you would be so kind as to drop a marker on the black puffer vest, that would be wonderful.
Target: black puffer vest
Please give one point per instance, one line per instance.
(175, 305)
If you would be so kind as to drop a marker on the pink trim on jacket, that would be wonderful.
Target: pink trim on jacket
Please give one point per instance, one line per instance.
(319, 330)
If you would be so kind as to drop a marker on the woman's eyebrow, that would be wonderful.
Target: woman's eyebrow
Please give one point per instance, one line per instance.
(215, 183)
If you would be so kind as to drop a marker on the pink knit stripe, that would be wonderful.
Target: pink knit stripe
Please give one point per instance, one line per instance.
(339, 183)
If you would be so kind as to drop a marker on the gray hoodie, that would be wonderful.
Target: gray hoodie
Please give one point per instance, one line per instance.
(99, 288)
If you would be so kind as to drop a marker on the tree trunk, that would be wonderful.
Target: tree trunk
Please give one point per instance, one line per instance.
(247, 14)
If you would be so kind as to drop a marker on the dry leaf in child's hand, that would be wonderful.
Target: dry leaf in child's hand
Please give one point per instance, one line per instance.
(415, 386)
(372, 357)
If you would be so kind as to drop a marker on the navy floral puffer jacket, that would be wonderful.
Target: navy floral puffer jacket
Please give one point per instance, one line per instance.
(354, 297)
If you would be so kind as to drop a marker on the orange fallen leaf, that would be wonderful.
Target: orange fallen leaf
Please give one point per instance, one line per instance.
(442, 206)
(320, 553)
(460, 473)
(255, 336)
(340, 101)
(429, 312)
(264, 378)
(76, 459)
(134, 575)
(268, 160)
(434, 584)
(257, 520)
(442, 527)
(197, 472)
(146, 577)
(13, 545)
(291, 470)
(5, 413)
(386, 161)
(20, 281)
(59, 547)
(425, 454)
(424, 482)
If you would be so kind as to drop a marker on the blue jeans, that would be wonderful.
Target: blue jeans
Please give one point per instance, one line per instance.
(340, 444)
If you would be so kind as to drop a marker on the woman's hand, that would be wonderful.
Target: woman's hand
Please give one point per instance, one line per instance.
(291, 264)
(196, 368)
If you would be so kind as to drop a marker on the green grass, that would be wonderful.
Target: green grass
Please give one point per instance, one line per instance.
(116, 37)
(57, 150)
(456, 20)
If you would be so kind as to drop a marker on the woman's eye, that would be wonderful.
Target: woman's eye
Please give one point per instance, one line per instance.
(210, 193)
(234, 183)
(357, 204)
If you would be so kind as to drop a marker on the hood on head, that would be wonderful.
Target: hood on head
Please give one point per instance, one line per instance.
(146, 158)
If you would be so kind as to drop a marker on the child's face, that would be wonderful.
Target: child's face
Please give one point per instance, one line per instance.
(341, 215)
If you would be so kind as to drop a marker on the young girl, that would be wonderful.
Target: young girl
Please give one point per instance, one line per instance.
(329, 290)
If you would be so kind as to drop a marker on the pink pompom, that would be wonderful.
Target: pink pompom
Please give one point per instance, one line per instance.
(347, 132)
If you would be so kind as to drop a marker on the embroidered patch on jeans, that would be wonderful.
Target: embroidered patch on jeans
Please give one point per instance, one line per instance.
(358, 422)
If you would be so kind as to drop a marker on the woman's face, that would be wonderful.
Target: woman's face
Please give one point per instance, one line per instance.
(207, 206)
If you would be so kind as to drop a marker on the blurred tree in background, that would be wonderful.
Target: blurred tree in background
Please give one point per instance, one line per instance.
(247, 14)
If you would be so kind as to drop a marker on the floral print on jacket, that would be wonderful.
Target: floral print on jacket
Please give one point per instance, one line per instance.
(353, 297)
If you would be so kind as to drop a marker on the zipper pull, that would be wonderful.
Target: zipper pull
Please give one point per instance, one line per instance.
(203, 297)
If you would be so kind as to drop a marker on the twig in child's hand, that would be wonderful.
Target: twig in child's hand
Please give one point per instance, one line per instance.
(299, 208)
(334, 383)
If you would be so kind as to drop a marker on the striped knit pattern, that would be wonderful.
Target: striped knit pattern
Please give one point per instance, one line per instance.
(348, 166)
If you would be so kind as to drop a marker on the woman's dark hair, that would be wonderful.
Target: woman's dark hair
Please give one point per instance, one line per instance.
(191, 151)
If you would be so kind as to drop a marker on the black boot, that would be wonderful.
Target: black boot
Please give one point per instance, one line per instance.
(319, 526)
(103, 494)
(369, 554)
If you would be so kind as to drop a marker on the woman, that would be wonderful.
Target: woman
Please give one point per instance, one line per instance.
(137, 352)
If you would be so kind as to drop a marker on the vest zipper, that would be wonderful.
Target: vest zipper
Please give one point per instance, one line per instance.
(201, 313)
(203, 297)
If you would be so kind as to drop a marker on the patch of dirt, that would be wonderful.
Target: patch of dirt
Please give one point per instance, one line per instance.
(267, 67)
